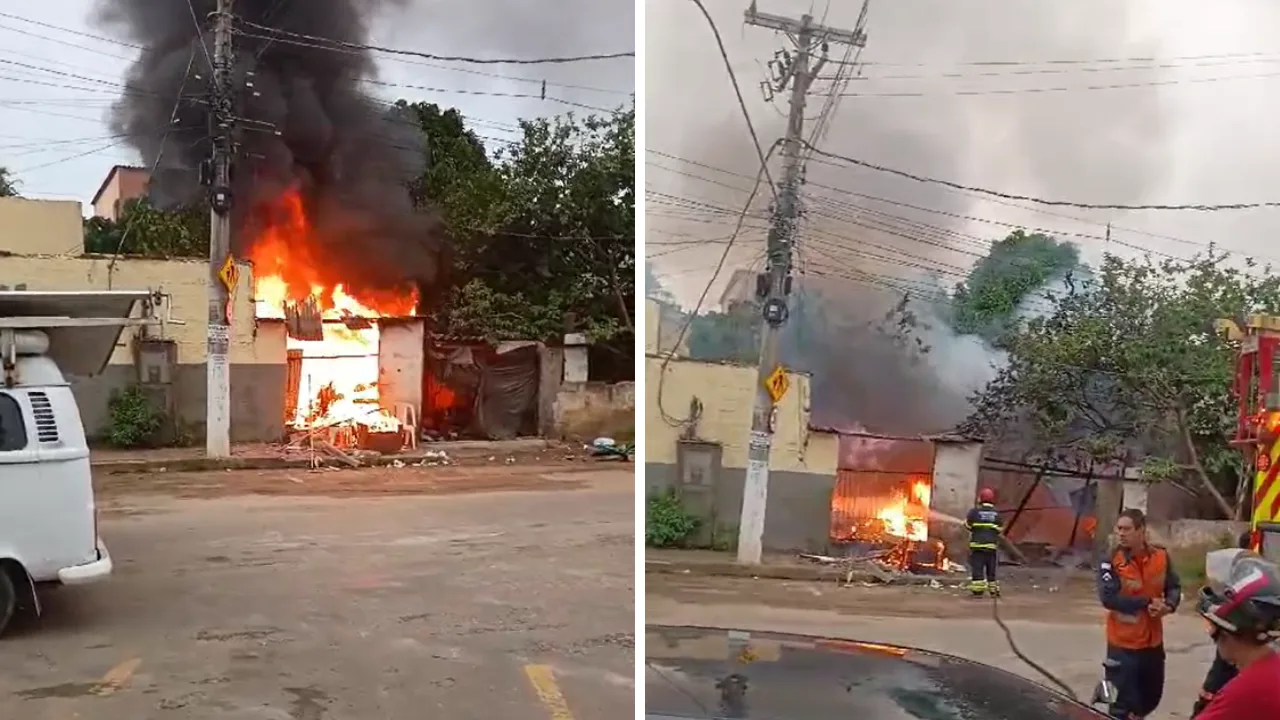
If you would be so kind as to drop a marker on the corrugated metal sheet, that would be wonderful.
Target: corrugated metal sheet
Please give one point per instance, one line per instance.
(861, 495)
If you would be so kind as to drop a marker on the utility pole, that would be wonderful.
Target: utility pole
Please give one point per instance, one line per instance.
(223, 273)
(775, 285)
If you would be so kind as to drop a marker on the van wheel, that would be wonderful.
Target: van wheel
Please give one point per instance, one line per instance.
(8, 599)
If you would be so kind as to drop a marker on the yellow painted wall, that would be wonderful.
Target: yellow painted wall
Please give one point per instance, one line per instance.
(40, 227)
(184, 280)
(652, 323)
(727, 393)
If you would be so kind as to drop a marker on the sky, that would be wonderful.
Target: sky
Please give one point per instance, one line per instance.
(57, 85)
(1022, 96)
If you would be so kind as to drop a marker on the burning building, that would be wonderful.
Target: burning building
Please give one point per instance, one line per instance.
(321, 210)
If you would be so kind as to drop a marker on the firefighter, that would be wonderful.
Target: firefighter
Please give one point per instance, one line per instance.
(983, 524)
(1244, 622)
(1220, 672)
(1138, 586)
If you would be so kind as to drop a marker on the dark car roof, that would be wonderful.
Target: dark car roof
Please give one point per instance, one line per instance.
(715, 673)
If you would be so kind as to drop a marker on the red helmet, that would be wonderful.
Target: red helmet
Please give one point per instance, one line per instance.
(986, 495)
(1248, 604)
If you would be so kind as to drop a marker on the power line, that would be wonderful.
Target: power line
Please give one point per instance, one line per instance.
(321, 42)
(1200, 207)
(1023, 71)
(742, 104)
(91, 36)
(702, 298)
(195, 20)
(469, 71)
(1079, 61)
(1062, 89)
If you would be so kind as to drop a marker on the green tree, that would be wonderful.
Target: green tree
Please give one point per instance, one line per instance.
(653, 287)
(542, 229)
(144, 229)
(987, 302)
(732, 336)
(8, 183)
(1128, 364)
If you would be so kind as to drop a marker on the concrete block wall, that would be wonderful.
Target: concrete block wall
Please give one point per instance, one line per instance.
(587, 410)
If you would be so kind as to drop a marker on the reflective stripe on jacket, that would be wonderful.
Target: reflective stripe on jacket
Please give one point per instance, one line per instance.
(983, 523)
(1127, 583)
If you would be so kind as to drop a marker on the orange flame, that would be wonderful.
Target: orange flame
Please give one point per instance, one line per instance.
(339, 374)
(907, 516)
(289, 267)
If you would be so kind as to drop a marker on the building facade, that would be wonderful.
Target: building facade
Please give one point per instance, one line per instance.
(40, 247)
(123, 183)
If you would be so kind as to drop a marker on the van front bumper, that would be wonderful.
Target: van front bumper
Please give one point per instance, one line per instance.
(91, 572)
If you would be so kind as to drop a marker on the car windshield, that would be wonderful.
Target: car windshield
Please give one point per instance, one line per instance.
(705, 673)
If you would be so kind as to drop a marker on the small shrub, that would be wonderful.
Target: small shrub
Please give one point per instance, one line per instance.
(135, 420)
(666, 521)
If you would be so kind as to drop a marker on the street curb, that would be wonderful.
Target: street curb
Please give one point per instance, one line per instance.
(778, 572)
(453, 451)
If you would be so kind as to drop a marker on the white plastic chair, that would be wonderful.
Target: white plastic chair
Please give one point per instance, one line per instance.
(407, 414)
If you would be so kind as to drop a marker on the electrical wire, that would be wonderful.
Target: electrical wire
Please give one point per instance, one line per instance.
(737, 90)
(409, 61)
(1199, 207)
(91, 36)
(155, 165)
(1065, 89)
(195, 19)
(684, 328)
(294, 38)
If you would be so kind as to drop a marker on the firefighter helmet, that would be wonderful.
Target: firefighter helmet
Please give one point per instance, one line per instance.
(986, 495)
(1248, 603)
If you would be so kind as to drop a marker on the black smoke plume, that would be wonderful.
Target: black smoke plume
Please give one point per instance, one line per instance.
(308, 123)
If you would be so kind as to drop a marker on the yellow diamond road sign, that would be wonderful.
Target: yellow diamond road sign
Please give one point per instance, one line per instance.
(229, 274)
(777, 383)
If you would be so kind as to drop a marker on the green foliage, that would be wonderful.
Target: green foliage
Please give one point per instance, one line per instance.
(666, 521)
(653, 287)
(143, 229)
(135, 420)
(732, 336)
(543, 229)
(8, 183)
(1129, 364)
(987, 302)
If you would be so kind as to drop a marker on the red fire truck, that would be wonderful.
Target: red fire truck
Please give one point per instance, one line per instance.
(1257, 389)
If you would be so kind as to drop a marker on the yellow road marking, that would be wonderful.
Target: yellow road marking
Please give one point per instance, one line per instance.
(117, 677)
(544, 684)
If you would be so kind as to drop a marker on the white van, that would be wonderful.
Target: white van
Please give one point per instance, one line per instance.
(48, 520)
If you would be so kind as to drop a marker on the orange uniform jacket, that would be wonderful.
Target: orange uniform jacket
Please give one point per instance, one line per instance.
(1127, 583)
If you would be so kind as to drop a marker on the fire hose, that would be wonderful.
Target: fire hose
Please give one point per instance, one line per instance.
(1008, 634)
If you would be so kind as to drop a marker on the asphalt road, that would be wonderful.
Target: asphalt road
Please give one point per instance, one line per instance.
(1061, 629)
(399, 593)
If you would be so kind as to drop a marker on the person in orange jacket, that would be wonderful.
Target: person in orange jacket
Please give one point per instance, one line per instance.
(1138, 586)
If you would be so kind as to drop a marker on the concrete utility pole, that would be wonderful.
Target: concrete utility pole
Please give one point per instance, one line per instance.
(223, 273)
(776, 284)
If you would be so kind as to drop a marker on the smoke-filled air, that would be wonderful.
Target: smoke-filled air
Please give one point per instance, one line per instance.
(912, 104)
(309, 125)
